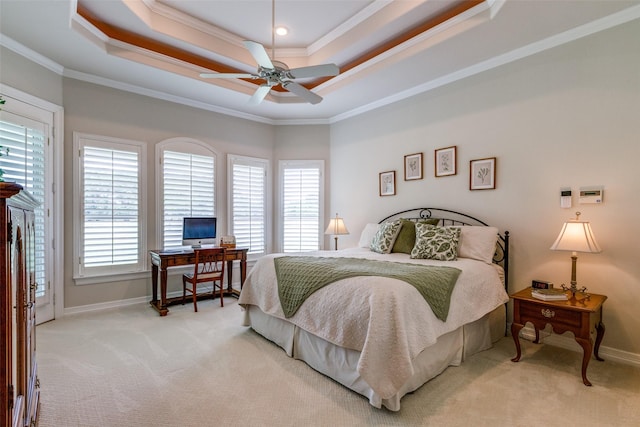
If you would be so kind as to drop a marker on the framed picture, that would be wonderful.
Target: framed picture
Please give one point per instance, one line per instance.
(388, 183)
(413, 166)
(446, 162)
(482, 174)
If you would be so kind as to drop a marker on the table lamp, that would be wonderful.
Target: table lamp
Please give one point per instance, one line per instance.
(576, 236)
(336, 227)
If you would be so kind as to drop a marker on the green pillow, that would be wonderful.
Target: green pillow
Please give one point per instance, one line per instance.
(407, 237)
(439, 243)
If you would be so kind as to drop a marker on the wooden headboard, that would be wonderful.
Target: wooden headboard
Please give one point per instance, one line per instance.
(449, 217)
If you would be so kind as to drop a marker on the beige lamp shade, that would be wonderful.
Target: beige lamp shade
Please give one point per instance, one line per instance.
(576, 236)
(336, 227)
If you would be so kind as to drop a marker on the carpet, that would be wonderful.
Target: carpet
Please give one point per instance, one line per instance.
(130, 367)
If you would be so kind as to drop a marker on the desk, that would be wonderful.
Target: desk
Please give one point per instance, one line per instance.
(161, 261)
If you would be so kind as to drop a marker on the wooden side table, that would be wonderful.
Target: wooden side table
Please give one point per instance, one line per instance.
(581, 316)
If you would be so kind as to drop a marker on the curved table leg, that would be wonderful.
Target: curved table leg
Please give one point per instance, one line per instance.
(599, 336)
(537, 340)
(586, 356)
(515, 331)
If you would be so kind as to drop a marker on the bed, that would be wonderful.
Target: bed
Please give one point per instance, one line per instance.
(375, 327)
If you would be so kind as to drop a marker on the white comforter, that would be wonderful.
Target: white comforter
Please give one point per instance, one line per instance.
(386, 319)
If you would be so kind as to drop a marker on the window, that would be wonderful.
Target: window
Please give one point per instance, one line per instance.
(188, 185)
(109, 201)
(248, 202)
(301, 204)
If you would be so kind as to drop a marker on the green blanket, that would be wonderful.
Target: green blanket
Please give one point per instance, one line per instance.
(299, 277)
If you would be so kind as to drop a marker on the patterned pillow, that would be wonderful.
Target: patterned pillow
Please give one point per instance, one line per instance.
(433, 242)
(385, 237)
(406, 239)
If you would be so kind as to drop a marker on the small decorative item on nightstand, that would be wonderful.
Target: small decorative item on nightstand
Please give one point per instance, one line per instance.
(541, 284)
(549, 294)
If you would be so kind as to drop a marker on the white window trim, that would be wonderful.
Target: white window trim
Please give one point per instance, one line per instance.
(231, 159)
(185, 145)
(94, 278)
(56, 172)
(282, 164)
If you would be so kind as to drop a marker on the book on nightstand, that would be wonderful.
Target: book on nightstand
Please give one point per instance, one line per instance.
(549, 294)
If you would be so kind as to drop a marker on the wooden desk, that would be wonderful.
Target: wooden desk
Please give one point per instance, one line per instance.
(161, 261)
(582, 317)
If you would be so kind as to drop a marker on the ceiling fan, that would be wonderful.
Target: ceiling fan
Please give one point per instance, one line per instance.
(276, 72)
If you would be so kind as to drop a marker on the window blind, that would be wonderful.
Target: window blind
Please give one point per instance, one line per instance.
(111, 207)
(24, 164)
(301, 207)
(189, 190)
(248, 205)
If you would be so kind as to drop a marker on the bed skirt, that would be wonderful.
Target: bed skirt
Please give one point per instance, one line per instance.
(340, 363)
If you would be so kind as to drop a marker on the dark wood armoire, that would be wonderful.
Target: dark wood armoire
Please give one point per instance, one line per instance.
(19, 397)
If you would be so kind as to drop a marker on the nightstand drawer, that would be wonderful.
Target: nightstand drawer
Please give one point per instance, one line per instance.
(548, 313)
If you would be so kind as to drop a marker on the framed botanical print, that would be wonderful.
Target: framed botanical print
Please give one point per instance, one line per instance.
(445, 161)
(388, 183)
(482, 174)
(413, 166)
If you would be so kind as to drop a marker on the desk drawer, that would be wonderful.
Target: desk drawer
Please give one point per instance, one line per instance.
(555, 315)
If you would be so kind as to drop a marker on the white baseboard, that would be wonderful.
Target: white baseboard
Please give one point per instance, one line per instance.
(121, 303)
(569, 343)
(105, 305)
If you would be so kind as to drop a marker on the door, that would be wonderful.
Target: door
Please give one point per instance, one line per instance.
(26, 131)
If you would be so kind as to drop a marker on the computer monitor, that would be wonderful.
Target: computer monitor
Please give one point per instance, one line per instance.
(198, 231)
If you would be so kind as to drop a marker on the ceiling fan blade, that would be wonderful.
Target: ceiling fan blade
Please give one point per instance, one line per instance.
(259, 94)
(302, 92)
(228, 76)
(259, 54)
(315, 71)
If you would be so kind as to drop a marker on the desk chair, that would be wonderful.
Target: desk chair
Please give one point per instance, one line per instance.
(209, 267)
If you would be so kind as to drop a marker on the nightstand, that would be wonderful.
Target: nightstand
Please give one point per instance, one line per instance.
(582, 316)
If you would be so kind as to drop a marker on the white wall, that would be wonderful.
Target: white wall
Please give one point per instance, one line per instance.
(565, 117)
(20, 73)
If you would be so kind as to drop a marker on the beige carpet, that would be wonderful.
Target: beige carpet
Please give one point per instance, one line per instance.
(129, 367)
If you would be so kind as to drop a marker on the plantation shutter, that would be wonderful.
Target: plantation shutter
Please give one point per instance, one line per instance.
(248, 204)
(301, 190)
(111, 220)
(24, 163)
(189, 190)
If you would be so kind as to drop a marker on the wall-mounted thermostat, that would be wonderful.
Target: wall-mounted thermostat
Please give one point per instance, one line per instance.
(565, 198)
(591, 195)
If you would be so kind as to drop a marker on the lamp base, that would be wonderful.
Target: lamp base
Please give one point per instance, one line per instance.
(574, 283)
(576, 294)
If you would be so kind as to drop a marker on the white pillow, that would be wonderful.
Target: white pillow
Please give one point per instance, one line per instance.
(367, 235)
(477, 242)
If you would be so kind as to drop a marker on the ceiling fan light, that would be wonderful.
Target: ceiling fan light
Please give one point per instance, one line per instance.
(281, 31)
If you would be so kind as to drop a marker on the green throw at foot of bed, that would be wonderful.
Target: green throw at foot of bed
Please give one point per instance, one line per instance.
(299, 277)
